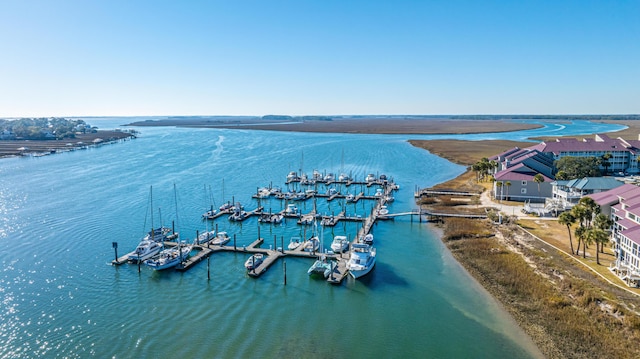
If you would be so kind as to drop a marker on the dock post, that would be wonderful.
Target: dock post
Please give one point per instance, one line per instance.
(282, 244)
(208, 266)
(139, 263)
(115, 248)
(258, 230)
(234, 242)
(275, 240)
(284, 266)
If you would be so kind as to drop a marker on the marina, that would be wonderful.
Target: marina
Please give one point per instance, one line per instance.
(263, 258)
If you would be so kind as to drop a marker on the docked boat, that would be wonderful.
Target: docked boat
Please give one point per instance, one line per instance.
(205, 237)
(321, 266)
(226, 207)
(350, 197)
(254, 261)
(159, 234)
(330, 177)
(368, 239)
(239, 214)
(145, 250)
(294, 243)
(362, 260)
(383, 211)
(332, 191)
(340, 244)
(370, 178)
(344, 177)
(389, 198)
(292, 176)
(170, 257)
(291, 209)
(210, 214)
(220, 239)
(263, 192)
(379, 193)
(311, 245)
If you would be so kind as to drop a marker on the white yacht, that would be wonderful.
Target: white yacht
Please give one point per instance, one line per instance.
(350, 197)
(294, 243)
(340, 244)
(362, 260)
(145, 250)
(371, 178)
(292, 209)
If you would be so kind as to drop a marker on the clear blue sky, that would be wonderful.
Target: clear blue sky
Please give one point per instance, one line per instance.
(235, 57)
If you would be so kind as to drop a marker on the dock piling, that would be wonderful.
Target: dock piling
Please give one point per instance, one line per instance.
(284, 266)
(115, 248)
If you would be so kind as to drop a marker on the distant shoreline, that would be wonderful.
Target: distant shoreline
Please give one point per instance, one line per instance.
(17, 148)
(353, 126)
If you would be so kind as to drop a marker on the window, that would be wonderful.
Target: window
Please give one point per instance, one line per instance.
(524, 183)
(523, 191)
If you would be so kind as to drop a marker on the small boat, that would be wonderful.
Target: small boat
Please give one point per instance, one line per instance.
(311, 245)
(317, 176)
(170, 257)
(145, 250)
(383, 211)
(158, 234)
(321, 266)
(294, 243)
(389, 198)
(225, 207)
(344, 177)
(368, 239)
(379, 192)
(220, 239)
(350, 197)
(205, 237)
(340, 244)
(292, 176)
(263, 192)
(329, 177)
(332, 191)
(254, 261)
(210, 214)
(238, 214)
(370, 178)
(362, 260)
(292, 209)
(383, 177)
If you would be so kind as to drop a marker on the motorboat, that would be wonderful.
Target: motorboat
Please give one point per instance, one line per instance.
(239, 214)
(344, 177)
(340, 244)
(170, 257)
(389, 198)
(330, 177)
(263, 192)
(291, 209)
(379, 192)
(383, 211)
(362, 260)
(370, 178)
(368, 239)
(205, 237)
(311, 245)
(145, 250)
(220, 239)
(350, 197)
(321, 266)
(254, 261)
(332, 191)
(317, 176)
(294, 243)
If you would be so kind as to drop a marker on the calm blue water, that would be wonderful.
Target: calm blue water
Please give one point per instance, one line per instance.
(61, 298)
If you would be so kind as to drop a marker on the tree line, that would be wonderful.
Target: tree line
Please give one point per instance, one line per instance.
(44, 128)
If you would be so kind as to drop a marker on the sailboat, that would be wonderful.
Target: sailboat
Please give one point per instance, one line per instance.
(170, 257)
(151, 243)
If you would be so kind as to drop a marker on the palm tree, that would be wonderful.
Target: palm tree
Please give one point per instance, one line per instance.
(538, 178)
(604, 223)
(596, 235)
(581, 234)
(567, 219)
(499, 186)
